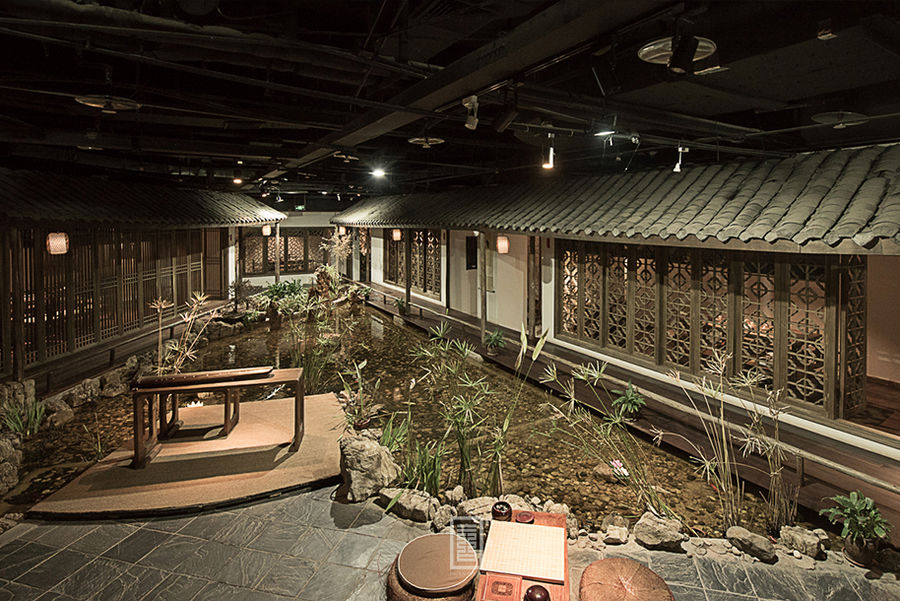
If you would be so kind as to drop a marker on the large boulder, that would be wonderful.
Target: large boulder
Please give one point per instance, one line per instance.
(803, 540)
(615, 529)
(415, 505)
(85, 392)
(455, 496)
(114, 382)
(58, 412)
(366, 467)
(10, 462)
(479, 507)
(752, 544)
(655, 532)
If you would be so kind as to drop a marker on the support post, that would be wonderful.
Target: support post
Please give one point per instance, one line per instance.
(482, 276)
(445, 267)
(18, 288)
(407, 245)
(277, 252)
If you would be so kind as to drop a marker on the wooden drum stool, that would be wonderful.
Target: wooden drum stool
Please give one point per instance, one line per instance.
(433, 566)
(621, 579)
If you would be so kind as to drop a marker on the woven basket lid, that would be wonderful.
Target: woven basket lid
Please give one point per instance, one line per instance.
(437, 563)
(621, 579)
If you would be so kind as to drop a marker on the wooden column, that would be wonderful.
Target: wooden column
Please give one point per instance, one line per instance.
(277, 259)
(407, 245)
(18, 291)
(5, 318)
(37, 286)
(832, 298)
(482, 276)
(446, 269)
(70, 295)
(120, 283)
(95, 281)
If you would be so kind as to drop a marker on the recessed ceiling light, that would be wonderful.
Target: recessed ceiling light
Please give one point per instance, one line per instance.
(379, 172)
(659, 51)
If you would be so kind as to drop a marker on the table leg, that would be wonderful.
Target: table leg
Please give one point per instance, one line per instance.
(226, 428)
(299, 410)
(139, 450)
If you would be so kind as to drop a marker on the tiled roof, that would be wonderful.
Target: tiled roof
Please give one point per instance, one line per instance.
(828, 196)
(32, 196)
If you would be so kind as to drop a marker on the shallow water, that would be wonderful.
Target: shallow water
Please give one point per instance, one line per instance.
(534, 462)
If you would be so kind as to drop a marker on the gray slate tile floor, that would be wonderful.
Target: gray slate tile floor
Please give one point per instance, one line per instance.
(302, 547)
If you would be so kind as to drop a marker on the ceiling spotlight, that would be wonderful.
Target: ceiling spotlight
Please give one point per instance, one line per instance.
(347, 157)
(426, 141)
(606, 127)
(681, 150)
(548, 159)
(471, 104)
(378, 172)
(237, 179)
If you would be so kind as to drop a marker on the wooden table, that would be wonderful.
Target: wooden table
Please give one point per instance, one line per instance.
(151, 406)
(493, 586)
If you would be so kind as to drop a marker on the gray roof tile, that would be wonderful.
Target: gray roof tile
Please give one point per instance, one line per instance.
(829, 196)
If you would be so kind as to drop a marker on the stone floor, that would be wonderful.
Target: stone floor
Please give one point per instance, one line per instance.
(304, 547)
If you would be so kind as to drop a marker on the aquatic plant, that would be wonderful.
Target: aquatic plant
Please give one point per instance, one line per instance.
(463, 419)
(394, 434)
(359, 397)
(24, 420)
(423, 466)
(337, 246)
(604, 437)
(629, 402)
(240, 291)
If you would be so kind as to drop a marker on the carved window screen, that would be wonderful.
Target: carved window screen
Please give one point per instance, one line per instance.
(713, 308)
(678, 308)
(568, 321)
(758, 326)
(617, 296)
(645, 291)
(855, 336)
(806, 333)
(593, 293)
(425, 261)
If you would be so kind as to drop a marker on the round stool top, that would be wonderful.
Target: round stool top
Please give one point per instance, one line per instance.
(621, 579)
(437, 563)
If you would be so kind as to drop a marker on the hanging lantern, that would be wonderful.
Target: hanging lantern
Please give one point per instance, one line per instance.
(57, 243)
(342, 231)
(397, 235)
(267, 230)
(502, 245)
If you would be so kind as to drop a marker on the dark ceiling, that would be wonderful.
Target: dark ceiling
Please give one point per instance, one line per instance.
(278, 88)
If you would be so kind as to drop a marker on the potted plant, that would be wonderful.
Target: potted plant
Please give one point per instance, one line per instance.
(402, 306)
(629, 402)
(863, 523)
(494, 342)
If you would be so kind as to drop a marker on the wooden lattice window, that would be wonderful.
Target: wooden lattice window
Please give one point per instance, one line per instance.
(295, 253)
(593, 293)
(568, 322)
(806, 333)
(854, 359)
(679, 324)
(252, 255)
(713, 307)
(617, 296)
(758, 326)
(365, 248)
(645, 291)
(425, 261)
(299, 251)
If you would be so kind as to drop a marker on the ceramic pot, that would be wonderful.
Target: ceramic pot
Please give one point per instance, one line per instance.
(860, 551)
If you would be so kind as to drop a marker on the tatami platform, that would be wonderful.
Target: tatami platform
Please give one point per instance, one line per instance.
(199, 469)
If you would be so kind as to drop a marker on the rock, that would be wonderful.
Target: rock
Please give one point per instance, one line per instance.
(6, 523)
(132, 364)
(85, 392)
(60, 417)
(572, 526)
(582, 532)
(659, 533)
(797, 554)
(455, 496)
(517, 502)
(823, 537)
(605, 473)
(415, 505)
(736, 551)
(552, 507)
(478, 507)
(803, 541)
(114, 383)
(443, 517)
(614, 519)
(28, 391)
(9, 477)
(616, 535)
(536, 502)
(594, 536)
(752, 544)
(372, 433)
(366, 467)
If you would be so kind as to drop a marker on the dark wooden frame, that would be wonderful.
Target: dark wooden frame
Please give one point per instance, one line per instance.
(398, 262)
(309, 262)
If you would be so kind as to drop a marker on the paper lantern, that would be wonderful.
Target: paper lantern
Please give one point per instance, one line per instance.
(502, 245)
(397, 235)
(57, 243)
(342, 231)
(267, 230)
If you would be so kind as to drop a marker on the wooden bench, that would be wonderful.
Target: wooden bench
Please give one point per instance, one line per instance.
(155, 403)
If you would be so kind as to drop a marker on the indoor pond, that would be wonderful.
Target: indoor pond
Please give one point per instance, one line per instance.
(534, 462)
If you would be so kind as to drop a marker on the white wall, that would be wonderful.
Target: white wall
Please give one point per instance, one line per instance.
(548, 286)
(507, 304)
(463, 283)
(883, 324)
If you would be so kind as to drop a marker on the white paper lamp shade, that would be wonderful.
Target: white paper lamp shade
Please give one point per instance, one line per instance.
(267, 230)
(57, 243)
(342, 230)
(502, 245)
(397, 235)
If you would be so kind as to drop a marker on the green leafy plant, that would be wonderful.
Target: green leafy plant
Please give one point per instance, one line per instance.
(24, 420)
(360, 397)
(402, 306)
(240, 291)
(494, 341)
(629, 402)
(424, 465)
(394, 433)
(860, 518)
(176, 352)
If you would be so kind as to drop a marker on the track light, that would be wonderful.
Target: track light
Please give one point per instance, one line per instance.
(606, 127)
(684, 47)
(681, 150)
(548, 159)
(238, 179)
(471, 104)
